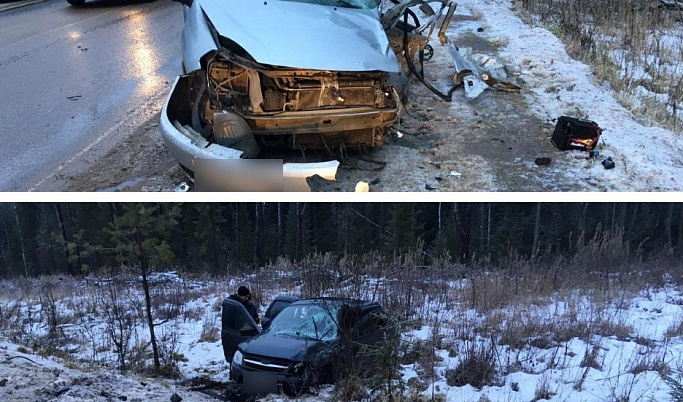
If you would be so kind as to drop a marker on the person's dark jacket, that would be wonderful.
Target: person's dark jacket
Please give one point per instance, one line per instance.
(251, 309)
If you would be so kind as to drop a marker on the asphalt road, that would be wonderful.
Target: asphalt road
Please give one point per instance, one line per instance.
(77, 81)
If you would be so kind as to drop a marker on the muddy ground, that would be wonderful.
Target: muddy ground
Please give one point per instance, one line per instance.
(489, 143)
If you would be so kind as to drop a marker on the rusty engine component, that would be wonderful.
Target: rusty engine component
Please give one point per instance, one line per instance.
(314, 109)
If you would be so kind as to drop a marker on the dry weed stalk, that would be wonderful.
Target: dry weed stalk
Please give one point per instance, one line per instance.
(634, 45)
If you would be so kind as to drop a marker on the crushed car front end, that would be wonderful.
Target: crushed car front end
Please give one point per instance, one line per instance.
(281, 75)
(293, 107)
(267, 374)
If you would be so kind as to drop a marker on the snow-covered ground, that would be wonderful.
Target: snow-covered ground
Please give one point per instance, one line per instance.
(648, 158)
(570, 345)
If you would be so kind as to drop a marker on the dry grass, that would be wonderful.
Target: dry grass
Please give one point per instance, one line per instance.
(477, 367)
(211, 331)
(473, 314)
(634, 45)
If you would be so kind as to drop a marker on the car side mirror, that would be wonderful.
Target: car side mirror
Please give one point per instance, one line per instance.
(185, 2)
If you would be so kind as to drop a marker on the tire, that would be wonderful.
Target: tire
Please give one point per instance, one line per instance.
(76, 2)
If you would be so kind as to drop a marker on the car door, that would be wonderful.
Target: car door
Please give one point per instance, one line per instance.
(237, 326)
(275, 307)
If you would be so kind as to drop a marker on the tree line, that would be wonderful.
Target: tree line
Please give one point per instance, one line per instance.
(79, 238)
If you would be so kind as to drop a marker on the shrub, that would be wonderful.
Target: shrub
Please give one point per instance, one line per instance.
(477, 367)
(675, 381)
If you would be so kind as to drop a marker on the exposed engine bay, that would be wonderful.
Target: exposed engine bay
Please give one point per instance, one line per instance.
(245, 105)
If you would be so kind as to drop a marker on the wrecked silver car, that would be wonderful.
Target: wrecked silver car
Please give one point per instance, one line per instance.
(320, 75)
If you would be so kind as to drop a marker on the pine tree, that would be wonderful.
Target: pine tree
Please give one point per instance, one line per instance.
(140, 233)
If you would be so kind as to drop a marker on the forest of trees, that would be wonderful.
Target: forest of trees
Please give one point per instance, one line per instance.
(79, 238)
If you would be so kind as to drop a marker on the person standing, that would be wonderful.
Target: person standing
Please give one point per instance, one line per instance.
(244, 296)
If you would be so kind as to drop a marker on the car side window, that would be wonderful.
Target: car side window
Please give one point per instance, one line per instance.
(234, 318)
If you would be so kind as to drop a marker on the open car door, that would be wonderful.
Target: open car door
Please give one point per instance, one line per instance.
(280, 302)
(237, 326)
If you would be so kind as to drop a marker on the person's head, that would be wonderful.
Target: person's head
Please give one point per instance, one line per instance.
(243, 293)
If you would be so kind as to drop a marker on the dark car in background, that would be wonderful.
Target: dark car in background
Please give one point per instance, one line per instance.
(303, 342)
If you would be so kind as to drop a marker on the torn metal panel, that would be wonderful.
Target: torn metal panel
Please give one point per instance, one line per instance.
(446, 22)
(466, 72)
(475, 79)
(393, 16)
(410, 41)
(473, 85)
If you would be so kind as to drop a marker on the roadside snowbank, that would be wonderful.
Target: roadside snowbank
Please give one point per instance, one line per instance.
(647, 158)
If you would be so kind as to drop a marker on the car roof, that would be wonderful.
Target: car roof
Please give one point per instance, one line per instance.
(341, 301)
(286, 298)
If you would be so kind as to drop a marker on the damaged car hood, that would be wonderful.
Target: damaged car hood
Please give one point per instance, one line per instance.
(278, 346)
(304, 35)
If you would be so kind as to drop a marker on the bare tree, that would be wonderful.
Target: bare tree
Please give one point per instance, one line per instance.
(537, 232)
(21, 240)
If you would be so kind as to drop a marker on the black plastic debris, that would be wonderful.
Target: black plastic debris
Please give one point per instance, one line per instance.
(176, 398)
(438, 177)
(543, 161)
(374, 181)
(608, 163)
(3, 382)
(60, 390)
(573, 133)
(429, 187)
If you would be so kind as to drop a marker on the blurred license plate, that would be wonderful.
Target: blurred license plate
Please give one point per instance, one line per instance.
(260, 382)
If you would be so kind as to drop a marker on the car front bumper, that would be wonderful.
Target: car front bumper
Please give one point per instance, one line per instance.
(187, 147)
(262, 381)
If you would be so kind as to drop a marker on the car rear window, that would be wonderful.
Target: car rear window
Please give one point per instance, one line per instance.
(276, 308)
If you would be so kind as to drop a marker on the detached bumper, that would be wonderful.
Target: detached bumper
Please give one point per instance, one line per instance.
(189, 147)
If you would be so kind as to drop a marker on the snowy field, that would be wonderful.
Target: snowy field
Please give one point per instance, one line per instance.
(603, 340)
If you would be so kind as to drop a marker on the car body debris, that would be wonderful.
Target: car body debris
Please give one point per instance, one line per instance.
(543, 161)
(362, 187)
(474, 78)
(608, 163)
(182, 187)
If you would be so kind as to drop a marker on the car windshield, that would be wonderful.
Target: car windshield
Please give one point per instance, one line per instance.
(342, 3)
(309, 321)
